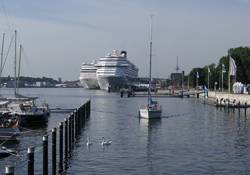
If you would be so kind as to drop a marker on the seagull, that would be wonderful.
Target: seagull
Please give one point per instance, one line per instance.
(88, 142)
(104, 142)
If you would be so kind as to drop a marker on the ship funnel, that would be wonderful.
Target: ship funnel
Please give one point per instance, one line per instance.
(124, 53)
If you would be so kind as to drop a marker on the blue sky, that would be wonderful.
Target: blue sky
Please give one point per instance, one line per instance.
(59, 35)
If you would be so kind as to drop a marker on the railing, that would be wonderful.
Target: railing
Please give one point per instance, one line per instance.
(63, 137)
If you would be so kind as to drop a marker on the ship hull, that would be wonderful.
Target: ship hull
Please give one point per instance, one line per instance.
(114, 83)
(89, 83)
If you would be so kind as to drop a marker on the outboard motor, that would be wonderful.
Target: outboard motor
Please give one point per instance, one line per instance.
(124, 53)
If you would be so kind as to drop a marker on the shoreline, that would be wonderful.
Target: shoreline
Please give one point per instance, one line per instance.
(242, 98)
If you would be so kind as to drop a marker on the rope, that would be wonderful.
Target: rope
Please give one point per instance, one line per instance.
(7, 54)
(21, 165)
(7, 139)
(10, 152)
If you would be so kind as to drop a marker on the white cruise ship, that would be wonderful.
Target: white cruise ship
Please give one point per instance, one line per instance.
(88, 76)
(115, 71)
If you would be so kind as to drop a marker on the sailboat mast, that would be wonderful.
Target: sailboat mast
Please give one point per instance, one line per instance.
(19, 67)
(1, 69)
(150, 60)
(15, 80)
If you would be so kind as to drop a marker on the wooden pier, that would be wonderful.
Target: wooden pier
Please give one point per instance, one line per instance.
(178, 94)
(64, 138)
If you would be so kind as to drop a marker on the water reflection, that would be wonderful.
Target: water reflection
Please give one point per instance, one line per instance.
(151, 129)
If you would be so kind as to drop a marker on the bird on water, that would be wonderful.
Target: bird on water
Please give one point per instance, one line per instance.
(88, 142)
(104, 142)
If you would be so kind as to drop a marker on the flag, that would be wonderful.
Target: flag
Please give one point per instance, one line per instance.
(232, 67)
(223, 68)
(208, 70)
(197, 74)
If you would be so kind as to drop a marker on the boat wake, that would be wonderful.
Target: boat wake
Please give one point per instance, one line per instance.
(132, 115)
(176, 115)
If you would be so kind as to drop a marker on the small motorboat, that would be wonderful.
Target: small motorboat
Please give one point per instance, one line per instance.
(9, 128)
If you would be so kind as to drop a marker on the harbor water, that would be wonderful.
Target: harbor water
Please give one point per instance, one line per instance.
(191, 138)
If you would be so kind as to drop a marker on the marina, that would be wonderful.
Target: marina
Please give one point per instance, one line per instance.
(85, 88)
(193, 132)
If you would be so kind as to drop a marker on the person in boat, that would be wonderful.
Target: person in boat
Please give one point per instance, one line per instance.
(34, 108)
(9, 121)
(21, 107)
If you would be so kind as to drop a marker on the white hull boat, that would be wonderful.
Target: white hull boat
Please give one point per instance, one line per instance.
(150, 112)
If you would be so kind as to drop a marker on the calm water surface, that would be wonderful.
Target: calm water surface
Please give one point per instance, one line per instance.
(191, 138)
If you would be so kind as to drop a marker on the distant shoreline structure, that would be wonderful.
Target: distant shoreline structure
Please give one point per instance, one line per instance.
(38, 82)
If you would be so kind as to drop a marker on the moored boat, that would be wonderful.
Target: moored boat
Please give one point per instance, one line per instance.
(29, 113)
(153, 109)
(9, 127)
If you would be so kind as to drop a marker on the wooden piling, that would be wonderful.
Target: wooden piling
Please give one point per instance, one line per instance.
(70, 134)
(79, 120)
(239, 107)
(45, 155)
(84, 113)
(53, 151)
(66, 139)
(73, 128)
(245, 108)
(76, 124)
(30, 160)
(60, 147)
(89, 107)
(9, 170)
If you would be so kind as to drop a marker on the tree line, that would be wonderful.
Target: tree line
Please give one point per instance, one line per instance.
(241, 55)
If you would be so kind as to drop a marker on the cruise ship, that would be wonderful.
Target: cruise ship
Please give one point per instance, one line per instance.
(115, 71)
(88, 76)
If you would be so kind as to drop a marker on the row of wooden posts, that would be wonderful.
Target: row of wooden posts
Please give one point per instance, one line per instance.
(69, 132)
(233, 106)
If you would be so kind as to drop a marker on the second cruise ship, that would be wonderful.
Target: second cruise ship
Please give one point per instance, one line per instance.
(88, 76)
(115, 71)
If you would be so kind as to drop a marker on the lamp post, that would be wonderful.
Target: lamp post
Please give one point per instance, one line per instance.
(215, 84)
(222, 72)
(197, 79)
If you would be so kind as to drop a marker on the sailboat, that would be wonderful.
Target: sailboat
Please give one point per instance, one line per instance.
(25, 107)
(153, 109)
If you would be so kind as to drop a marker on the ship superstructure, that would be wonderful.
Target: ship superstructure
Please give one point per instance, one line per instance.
(115, 71)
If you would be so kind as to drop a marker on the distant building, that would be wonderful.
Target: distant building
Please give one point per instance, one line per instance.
(59, 80)
(177, 79)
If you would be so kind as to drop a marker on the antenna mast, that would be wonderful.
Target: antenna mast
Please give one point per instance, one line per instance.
(15, 84)
(177, 65)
